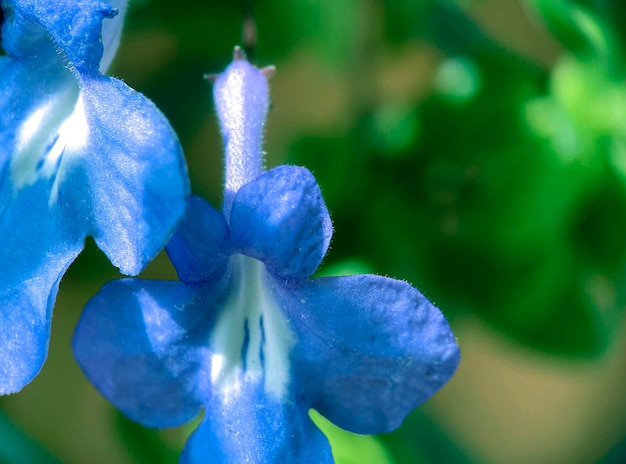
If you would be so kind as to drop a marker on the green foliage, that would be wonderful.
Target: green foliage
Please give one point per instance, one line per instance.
(18, 448)
(144, 445)
(419, 441)
(350, 448)
(505, 198)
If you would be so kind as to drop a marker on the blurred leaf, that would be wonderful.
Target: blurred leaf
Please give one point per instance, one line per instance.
(595, 103)
(617, 455)
(574, 26)
(592, 30)
(328, 26)
(394, 128)
(17, 448)
(143, 444)
(441, 22)
(350, 448)
(491, 208)
(420, 441)
(458, 78)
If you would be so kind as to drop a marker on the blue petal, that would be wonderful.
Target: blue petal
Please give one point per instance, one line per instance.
(199, 248)
(80, 154)
(143, 345)
(36, 29)
(252, 427)
(70, 167)
(117, 165)
(127, 178)
(280, 218)
(39, 240)
(370, 349)
(37, 247)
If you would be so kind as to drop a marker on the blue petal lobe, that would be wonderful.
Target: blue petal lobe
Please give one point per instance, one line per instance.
(280, 218)
(199, 248)
(38, 244)
(128, 175)
(143, 345)
(39, 239)
(250, 426)
(112, 32)
(37, 30)
(370, 348)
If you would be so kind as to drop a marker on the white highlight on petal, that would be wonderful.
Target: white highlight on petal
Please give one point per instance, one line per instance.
(31, 141)
(251, 339)
(73, 134)
(29, 129)
(217, 365)
(75, 129)
(57, 125)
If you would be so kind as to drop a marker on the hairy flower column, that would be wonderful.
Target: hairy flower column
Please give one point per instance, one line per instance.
(81, 154)
(246, 334)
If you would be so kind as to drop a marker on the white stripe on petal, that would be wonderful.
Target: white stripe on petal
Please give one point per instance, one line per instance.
(251, 340)
(41, 142)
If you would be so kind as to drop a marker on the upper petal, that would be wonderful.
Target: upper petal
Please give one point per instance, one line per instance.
(199, 248)
(117, 165)
(143, 345)
(123, 172)
(280, 218)
(369, 350)
(36, 29)
(253, 427)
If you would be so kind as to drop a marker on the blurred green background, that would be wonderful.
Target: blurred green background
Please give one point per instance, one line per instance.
(476, 149)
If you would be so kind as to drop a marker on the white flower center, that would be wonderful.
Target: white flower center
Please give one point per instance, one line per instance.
(251, 340)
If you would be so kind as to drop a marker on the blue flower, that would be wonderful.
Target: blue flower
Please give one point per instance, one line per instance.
(81, 154)
(246, 334)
